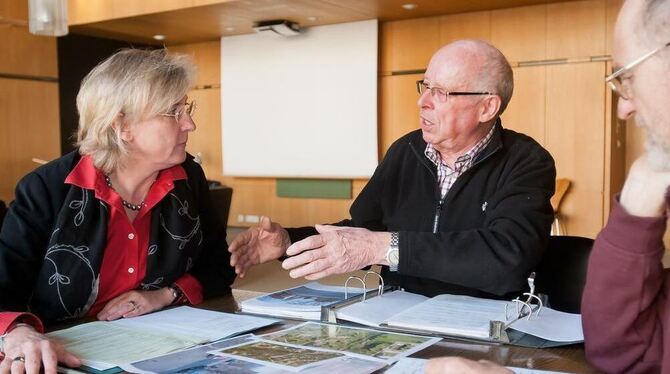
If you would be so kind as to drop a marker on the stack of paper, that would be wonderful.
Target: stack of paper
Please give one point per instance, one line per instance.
(452, 315)
(303, 302)
(104, 345)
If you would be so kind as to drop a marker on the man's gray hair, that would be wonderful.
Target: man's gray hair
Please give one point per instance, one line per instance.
(499, 74)
(130, 86)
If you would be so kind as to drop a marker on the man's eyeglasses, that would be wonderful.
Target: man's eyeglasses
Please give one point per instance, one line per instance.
(178, 112)
(440, 94)
(618, 82)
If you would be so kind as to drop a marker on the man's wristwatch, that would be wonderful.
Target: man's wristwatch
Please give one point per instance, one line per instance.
(393, 252)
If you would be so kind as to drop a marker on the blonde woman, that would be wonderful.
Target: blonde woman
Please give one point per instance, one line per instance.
(119, 228)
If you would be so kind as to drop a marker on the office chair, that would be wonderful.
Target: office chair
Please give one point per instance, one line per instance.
(220, 197)
(562, 186)
(561, 274)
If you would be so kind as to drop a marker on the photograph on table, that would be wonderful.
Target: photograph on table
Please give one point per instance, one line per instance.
(387, 346)
(278, 355)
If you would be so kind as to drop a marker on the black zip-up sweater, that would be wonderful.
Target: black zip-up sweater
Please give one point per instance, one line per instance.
(492, 226)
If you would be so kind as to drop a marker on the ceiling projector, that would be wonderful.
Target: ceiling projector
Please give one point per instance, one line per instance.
(280, 27)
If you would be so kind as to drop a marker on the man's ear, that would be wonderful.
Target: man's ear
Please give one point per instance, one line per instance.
(490, 107)
(122, 126)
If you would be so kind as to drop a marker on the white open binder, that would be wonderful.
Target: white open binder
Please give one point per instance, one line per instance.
(522, 321)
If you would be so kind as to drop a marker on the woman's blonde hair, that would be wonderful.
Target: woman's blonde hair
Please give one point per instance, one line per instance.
(130, 86)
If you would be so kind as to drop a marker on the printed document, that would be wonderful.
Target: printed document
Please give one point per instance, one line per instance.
(452, 315)
(375, 311)
(104, 345)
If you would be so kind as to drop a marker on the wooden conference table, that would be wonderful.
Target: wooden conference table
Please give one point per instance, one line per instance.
(566, 359)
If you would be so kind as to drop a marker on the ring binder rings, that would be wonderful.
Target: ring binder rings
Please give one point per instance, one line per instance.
(520, 304)
(516, 322)
(329, 312)
(380, 289)
(346, 286)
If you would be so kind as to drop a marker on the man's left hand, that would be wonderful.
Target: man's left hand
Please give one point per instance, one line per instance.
(336, 250)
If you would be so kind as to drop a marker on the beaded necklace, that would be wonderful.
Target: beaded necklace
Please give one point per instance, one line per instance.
(124, 202)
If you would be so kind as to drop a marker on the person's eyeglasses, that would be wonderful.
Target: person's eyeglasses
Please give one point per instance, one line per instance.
(178, 112)
(440, 94)
(618, 82)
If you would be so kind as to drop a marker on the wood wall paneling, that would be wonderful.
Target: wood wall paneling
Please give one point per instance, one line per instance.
(575, 136)
(22, 53)
(14, 10)
(408, 45)
(207, 2)
(86, 11)
(475, 25)
(400, 112)
(129, 8)
(27, 132)
(28, 107)
(635, 138)
(576, 29)
(526, 110)
(206, 139)
(207, 57)
(252, 196)
(6, 183)
(520, 33)
(613, 7)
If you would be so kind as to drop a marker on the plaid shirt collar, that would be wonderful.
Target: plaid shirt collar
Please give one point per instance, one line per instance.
(463, 162)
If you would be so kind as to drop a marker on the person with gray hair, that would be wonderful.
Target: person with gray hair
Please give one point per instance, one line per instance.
(626, 302)
(459, 206)
(118, 228)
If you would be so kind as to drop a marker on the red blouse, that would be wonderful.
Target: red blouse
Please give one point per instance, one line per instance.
(124, 263)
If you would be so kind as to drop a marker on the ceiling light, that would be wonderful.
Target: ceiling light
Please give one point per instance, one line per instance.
(47, 17)
(312, 18)
(409, 6)
(229, 29)
(159, 37)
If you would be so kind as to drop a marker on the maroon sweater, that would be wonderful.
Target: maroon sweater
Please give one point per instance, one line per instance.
(625, 304)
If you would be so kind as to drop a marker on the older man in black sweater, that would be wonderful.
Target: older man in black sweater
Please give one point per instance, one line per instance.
(459, 206)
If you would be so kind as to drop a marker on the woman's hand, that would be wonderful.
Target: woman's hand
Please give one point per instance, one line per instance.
(135, 303)
(36, 350)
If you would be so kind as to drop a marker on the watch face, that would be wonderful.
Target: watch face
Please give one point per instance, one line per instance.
(394, 257)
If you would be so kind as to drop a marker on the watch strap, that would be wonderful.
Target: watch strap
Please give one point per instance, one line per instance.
(177, 293)
(393, 246)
